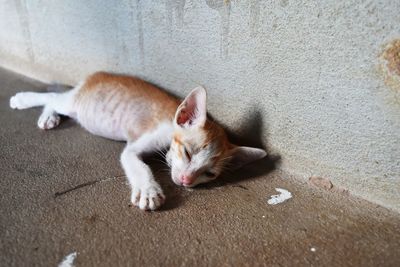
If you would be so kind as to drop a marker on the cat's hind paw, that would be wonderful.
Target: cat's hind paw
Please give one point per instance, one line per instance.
(148, 198)
(48, 121)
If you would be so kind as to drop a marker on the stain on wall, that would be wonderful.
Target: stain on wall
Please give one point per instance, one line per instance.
(224, 9)
(139, 21)
(284, 3)
(392, 56)
(254, 16)
(175, 12)
(390, 67)
(23, 17)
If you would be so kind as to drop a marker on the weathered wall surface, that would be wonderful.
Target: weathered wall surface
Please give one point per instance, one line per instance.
(310, 68)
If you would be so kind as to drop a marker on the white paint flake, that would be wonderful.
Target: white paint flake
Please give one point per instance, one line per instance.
(313, 249)
(68, 261)
(283, 196)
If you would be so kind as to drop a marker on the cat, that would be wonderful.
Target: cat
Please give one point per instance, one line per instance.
(129, 109)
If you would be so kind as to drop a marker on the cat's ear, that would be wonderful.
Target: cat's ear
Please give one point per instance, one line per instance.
(242, 155)
(192, 111)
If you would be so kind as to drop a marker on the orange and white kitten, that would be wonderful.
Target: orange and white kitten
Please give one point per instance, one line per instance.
(129, 109)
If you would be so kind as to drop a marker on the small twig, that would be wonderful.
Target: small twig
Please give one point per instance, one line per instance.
(57, 194)
(240, 186)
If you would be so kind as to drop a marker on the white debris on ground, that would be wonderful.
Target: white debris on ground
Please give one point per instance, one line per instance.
(283, 196)
(313, 249)
(68, 261)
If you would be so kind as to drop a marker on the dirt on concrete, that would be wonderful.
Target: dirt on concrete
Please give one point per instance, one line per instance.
(63, 191)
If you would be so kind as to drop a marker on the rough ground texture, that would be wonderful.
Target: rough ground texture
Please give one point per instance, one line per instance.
(63, 191)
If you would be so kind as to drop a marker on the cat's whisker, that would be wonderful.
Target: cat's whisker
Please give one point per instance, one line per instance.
(161, 153)
(161, 161)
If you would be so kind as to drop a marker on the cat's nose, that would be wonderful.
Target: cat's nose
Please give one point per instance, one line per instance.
(186, 180)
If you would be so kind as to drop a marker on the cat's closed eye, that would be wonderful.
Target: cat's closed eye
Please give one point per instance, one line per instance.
(187, 154)
(210, 174)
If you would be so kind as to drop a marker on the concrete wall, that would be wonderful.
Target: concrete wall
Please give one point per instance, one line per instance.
(310, 68)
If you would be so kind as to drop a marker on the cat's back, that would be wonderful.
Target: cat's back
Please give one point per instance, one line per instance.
(122, 107)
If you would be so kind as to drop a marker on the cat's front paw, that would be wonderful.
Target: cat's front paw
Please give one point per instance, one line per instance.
(149, 197)
(18, 101)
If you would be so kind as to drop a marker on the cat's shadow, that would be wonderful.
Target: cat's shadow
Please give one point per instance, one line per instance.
(250, 133)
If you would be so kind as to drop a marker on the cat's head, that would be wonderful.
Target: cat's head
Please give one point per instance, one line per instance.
(200, 149)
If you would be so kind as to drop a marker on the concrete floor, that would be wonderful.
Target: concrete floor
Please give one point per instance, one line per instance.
(64, 191)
